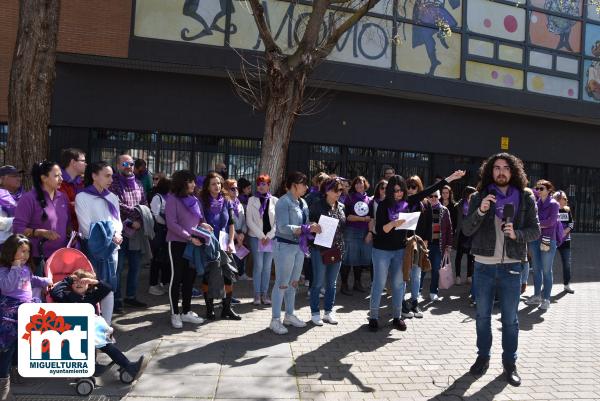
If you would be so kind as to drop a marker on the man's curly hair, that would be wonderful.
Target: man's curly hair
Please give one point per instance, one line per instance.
(518, 178)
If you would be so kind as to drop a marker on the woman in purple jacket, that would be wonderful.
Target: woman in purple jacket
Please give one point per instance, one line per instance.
(182, 212)
(543, 250)
(42, 214)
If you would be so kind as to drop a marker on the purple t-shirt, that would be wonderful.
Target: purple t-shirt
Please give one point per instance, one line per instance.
(363, 210)
(28, 214)
(18, 282)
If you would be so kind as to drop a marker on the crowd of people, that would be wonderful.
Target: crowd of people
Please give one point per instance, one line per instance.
(188, 228)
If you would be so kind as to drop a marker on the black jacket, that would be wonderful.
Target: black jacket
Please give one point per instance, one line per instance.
(62, 292)
(483, 229)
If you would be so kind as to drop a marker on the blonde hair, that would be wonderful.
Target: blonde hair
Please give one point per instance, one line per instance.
(80, 273)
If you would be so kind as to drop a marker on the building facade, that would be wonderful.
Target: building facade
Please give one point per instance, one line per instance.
(427, 86)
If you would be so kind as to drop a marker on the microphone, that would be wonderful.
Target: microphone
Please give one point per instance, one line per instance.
(508, 213)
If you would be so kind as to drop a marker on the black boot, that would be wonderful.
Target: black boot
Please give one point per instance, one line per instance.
(357, 283)
(210, 308)
(480, 366)
(345, 273)
(512, 376)
(227, 312)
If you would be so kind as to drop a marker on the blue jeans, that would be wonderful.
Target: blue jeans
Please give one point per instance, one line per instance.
(565, 256)
(322, 276)
(288, 266)
(435, 256)
(542, 268)
(415, 282)
(525, 273)
(6, 357)
(384, 261)
(133, 259)
(505, 281)
(261, 273)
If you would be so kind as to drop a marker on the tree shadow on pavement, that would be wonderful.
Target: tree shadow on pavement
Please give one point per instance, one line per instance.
(457, 390)
(329, 355)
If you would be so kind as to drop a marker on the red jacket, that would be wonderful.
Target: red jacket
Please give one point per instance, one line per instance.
(71, 190)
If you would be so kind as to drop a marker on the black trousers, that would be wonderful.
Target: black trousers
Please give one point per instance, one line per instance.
(182, 276)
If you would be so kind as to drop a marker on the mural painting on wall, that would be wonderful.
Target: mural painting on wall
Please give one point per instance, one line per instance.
(591, 79)
(214, 10)
(556, 32)
(418, 49)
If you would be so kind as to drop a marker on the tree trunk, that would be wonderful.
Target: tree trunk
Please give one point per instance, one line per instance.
(31, 83)
(284, 102)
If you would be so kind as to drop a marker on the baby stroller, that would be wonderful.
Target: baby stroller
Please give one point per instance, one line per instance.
(59, 265)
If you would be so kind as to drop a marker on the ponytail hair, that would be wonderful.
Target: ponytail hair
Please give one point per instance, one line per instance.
(37, 171)
(93, 168)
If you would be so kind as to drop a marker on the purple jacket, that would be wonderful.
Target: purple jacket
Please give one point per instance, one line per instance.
(28, 214)
(18, 282)
(179, 220)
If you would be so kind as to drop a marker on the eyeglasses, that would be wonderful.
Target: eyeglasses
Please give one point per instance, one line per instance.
(263, 184)
(127, 164)
(541, 189)
(411, 187)
(232, 189)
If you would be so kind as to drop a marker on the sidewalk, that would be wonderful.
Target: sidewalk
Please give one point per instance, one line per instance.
(559, 351)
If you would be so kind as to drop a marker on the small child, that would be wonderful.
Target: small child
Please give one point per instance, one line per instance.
(83, 287)
(17, 285)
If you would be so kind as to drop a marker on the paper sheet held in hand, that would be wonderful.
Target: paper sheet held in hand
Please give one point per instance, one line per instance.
(328, 227)
(411, 221)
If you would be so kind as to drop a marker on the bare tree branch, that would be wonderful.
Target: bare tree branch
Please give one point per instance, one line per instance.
(263, 29)
(323, 51)
(311, 35)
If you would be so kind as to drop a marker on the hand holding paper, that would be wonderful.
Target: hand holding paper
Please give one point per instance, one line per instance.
(410, 221)
(328, 226)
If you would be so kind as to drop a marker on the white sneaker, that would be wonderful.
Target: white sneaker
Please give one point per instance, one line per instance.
(568, 289)
(458, 281)
(534, 300)
(245, 277)
(316, 320)
(191, 317)
(292, 320)
(434, 297)
(176, 321)
(256, 300)
(277, 327)
(156, 290)
(330, 318)
(545, 305)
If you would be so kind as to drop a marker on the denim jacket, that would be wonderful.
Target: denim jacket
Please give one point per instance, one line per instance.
(483, 230)
(290, 214)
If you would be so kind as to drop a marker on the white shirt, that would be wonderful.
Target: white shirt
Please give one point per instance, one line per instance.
(5, 226)
(254, 221)
(92, 209)
(157, 206)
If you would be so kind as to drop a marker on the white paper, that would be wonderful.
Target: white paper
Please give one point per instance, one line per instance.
(328, 227)
(410, 222)
(223, 240)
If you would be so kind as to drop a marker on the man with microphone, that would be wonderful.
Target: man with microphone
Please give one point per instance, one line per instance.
(501, 220)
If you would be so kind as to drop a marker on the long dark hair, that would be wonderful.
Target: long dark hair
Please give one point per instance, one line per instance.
(205, 194)
(356, 180)
(10, 247)
(93, 168)
(518, 178)
(389, 190)
(179, 181)
(37, 171)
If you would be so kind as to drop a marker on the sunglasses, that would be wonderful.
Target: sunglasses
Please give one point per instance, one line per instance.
(263, 184)
(411, 187)
(127, 164)
(541, 189)
(233, 189)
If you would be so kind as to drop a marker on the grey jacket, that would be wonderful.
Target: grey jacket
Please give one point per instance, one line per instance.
(483, 230)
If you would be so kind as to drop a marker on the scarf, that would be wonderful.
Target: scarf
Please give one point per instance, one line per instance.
(216, 204)
(244, 199)
(17, 195)
(263, 198)
(343, 198)
(437, 206)
(313, 189)
(92, 190)
(399, 207)
(127, 181)
(7, 203)
(544, 208)
(465, 207)
(356, 197)
(305, 236)
(236, 203)
(70, 180)
(512, 196)
(192, 205)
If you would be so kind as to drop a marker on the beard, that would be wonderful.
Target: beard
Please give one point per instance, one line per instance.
(501, 180)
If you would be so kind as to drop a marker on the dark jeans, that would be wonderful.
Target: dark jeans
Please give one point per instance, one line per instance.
(117, 356)
(182, 276)
(6, 359)
(133, 262)
(160, 261)
(503, 280)
(460, 251)
(565, 256)
(435, 256)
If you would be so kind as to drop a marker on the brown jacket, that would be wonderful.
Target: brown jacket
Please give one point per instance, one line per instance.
(415, 253)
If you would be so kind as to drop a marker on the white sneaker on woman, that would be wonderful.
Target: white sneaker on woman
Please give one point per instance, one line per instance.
(330, 318)
(176, 321)
(292, 320)
(277, 327)
(156, 290)
(316, 320)
(191, 317)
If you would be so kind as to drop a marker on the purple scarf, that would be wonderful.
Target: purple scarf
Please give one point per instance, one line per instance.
(236, 203)
(313, 189)
(355, 197)
(127, 181)
(111, 207)
(192, 204)
(343, 198)
(399, 207)
(7, 203)
(216, 204)
(17, 195)
(244, 199)
(75, 181)
(305, 236)
(465, 207)
(263, 198)
(512, 196)
(544, 208)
